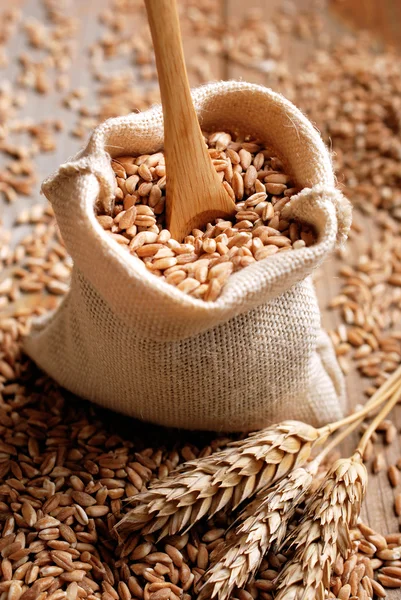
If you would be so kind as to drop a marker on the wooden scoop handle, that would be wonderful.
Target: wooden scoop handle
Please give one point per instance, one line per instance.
(195, 194)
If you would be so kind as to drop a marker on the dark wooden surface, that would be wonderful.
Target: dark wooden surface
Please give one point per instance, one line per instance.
(384, 16)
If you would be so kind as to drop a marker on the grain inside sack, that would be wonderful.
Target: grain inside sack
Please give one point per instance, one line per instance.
(131, 341)
(201, 265)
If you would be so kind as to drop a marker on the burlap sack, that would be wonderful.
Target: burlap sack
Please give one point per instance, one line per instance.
(129, 341)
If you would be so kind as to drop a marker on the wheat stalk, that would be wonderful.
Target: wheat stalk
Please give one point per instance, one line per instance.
(227, 478)
(332, 510)
(263, 525)
(323, 532)
(222, 480)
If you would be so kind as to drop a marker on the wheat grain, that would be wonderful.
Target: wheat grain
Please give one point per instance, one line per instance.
(221, 481)
(393, 475)
(323, 532)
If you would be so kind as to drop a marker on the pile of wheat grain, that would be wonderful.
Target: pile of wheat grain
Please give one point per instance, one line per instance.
(66, 471)
(202, 263)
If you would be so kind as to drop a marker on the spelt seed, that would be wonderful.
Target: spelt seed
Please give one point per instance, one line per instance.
(378, 589)
(393, 475)
(378, 541)
(390, 554)
(390, 582)
(379, 463)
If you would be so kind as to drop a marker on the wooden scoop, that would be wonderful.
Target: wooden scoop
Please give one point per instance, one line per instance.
(195, 194)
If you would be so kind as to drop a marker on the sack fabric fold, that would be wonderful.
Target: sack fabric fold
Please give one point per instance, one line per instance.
(129, 341)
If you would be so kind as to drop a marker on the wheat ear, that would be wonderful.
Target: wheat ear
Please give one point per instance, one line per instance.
(323, 532)
(227, 478)
(263, 526)
(222, 480)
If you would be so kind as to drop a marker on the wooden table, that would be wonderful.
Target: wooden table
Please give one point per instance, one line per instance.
(379, 508)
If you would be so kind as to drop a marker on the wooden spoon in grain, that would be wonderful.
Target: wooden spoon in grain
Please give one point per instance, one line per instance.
(195, 194)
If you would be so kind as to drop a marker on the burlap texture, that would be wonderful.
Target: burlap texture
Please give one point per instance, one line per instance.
(129, 341)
